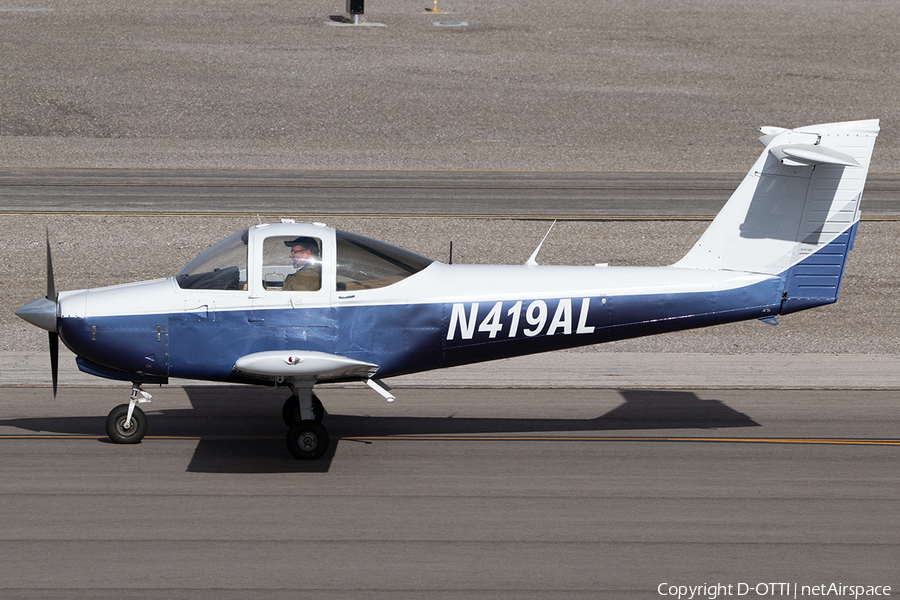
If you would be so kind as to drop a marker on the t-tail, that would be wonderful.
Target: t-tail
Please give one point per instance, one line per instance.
(796, 212)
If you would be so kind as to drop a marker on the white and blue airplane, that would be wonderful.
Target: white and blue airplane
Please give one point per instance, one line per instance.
(299, 304)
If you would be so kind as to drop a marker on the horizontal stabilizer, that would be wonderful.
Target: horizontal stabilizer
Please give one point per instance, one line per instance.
(287, 365)
(769, 134)
(799, 155)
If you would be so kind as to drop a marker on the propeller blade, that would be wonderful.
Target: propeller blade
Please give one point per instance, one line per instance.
(54, 336)
(51, 287)
(54, 359)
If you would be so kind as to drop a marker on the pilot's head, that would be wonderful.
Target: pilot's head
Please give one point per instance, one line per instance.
(304, 250)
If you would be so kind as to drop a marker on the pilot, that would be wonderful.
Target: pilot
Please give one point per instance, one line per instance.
(305, 258)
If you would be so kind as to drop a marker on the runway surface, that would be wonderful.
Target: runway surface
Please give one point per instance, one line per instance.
(488, 493)
(491, 194)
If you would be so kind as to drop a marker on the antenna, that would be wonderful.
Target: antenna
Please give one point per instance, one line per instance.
(531, 262)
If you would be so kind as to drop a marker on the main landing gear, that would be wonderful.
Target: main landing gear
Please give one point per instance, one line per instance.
(291, 410)
(307, 440)
(303, 413)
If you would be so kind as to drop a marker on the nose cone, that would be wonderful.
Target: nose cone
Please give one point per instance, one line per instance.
(40, 312)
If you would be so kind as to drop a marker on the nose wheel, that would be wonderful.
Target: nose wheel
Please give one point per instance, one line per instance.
(123, 429)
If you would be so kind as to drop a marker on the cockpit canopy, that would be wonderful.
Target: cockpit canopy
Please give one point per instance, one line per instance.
(222, 266)
(361, 263)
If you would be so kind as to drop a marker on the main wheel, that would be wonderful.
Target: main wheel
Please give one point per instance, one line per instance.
(122, 432)
(307, 440)
(291, 410)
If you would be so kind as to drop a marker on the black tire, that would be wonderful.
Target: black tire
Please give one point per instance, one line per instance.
(307, 440)
(291, 410)
(116, 428)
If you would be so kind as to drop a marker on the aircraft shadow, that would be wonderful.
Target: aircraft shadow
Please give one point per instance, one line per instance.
(241, 436)
(642, 410)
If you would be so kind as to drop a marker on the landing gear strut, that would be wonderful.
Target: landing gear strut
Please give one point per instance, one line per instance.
(291, 410)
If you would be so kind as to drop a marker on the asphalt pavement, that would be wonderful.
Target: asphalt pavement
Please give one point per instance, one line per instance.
(479, 493)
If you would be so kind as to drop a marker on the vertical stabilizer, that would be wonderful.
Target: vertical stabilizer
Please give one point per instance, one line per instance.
(795, 213)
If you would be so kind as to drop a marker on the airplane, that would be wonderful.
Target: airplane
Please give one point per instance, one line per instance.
(367, 310)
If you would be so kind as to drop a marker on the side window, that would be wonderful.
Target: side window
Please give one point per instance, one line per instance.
(365, 264)
(292, 264)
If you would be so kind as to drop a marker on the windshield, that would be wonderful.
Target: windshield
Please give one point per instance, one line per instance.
(364, 263)
(222, 266)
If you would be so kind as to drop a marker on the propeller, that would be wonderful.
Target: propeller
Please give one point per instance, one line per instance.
(53, 335)
(43, 313)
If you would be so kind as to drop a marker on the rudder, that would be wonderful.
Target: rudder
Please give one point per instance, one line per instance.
(795, 213)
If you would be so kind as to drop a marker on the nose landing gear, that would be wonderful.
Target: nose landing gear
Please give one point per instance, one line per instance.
(127, 423)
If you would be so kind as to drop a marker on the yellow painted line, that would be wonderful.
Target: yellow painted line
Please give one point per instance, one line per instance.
(212, 437)
(48, 437)
(852, 442)
(828, 441)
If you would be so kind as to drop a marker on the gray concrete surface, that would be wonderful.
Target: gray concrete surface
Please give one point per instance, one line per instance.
(487, 494)
(527, 85)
